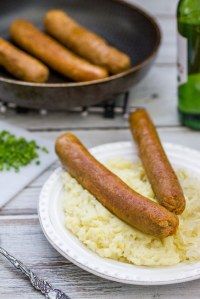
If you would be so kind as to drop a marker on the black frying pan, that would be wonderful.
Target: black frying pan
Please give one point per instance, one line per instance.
(123, 25)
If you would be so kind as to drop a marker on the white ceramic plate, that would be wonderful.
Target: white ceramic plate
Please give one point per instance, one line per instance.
(52, 221)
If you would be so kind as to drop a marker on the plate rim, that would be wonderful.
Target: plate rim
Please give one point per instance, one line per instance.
(49, 230)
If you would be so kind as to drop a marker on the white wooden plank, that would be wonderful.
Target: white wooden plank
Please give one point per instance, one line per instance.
(167, 52)
(157, 93)
(26, 201)
(26, 241)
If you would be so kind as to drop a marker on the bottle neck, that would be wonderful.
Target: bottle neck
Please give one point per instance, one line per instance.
(186, 6)
(189, 11)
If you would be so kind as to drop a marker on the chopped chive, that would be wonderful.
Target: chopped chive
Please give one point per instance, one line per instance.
(17, 152)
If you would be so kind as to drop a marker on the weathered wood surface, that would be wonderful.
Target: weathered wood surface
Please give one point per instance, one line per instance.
(41, 257)
(20, 231)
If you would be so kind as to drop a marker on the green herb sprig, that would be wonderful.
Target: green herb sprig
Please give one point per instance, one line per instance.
(17, 152)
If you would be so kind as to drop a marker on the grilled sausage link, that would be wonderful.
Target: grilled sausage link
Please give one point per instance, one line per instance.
(22, 65)
(131, 207)
(159, 171)
(53, 54)
(84, 42)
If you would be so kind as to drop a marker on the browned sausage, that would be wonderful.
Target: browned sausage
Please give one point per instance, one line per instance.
(53, 54)
(159, 171)
(21, 65)
(84, 42)
(112, 192)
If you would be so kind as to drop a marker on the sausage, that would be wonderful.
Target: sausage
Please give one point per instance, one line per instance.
(128, 205)
(53, 54)
(84, 42)
(159, 171)
(22, 65)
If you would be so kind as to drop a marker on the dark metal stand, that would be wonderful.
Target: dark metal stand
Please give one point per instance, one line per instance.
(107, 108)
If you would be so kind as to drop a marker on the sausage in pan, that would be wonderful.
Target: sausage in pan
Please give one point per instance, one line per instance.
(84, 42)
(53, 54)
(22, 65)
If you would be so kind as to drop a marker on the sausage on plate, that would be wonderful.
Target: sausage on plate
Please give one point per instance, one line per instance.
(128, 205)
(53, 54)
(84, 42)
(159, 171)
(22, 65)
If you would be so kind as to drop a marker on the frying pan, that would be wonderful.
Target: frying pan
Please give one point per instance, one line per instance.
(124, 25)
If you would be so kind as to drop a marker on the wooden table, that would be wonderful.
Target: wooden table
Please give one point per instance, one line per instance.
(20, 231)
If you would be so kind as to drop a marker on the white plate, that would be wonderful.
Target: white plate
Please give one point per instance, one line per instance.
(52, 221)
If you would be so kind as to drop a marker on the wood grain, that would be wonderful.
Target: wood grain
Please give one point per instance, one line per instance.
(41, 257)
(19, 226)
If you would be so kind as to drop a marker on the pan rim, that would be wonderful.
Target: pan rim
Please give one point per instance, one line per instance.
(133, 69)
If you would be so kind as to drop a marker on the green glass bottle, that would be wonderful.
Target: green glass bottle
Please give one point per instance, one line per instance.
(188, 17)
